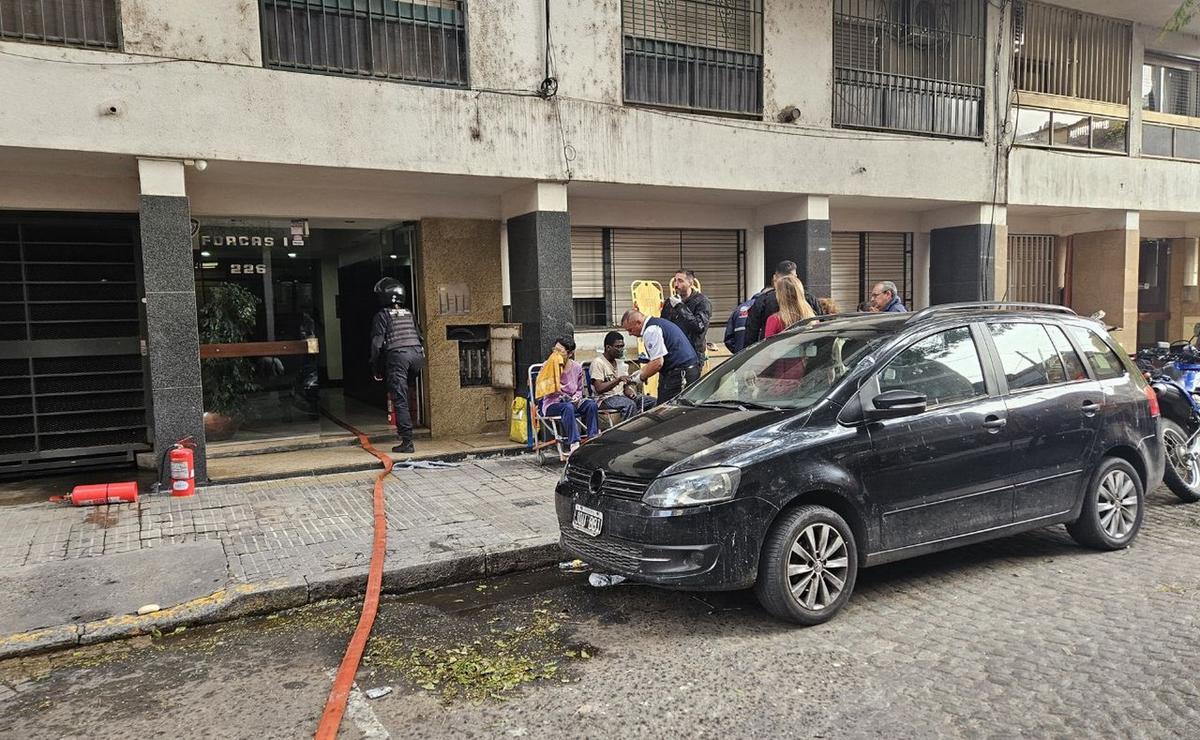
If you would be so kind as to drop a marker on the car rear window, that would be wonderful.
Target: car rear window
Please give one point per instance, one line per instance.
(1100, 356)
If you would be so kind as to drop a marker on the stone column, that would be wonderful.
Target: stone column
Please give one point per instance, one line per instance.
(1104, 270)
(171, 325)
(967, 253)
(798, 230)
(539, 267)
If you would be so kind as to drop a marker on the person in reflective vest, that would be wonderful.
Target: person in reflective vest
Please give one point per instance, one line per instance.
(396, 352)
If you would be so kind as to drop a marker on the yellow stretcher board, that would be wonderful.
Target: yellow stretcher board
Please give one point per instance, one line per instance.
(647, 298)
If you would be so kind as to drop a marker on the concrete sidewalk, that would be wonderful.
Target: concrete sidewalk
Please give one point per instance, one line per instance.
(79, 575)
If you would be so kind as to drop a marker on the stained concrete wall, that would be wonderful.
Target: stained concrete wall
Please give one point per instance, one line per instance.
(225, 31)
(459, 251)
(1104, 277)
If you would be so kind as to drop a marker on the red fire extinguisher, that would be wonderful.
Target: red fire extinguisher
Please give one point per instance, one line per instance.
(391, 412)
(183, 469)
(98, 494)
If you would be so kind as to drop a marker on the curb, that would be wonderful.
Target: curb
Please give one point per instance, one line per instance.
(365, 466)
(266, 597)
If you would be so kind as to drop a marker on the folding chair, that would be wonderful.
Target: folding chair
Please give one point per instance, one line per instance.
(609, 418)
(548, 430)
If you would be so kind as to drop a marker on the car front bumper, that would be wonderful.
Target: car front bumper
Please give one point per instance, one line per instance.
(702, 548)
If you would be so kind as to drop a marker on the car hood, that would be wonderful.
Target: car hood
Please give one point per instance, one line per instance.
(682, 438)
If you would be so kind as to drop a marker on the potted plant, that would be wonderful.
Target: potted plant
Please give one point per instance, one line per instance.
(227, 315)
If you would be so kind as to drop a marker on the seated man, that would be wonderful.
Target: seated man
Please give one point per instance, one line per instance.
(559, 389)
(612, 384)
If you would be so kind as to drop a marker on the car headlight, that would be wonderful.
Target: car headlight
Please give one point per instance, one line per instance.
(706, 486)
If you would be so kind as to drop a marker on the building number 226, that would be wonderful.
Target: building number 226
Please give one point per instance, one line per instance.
(247, 269)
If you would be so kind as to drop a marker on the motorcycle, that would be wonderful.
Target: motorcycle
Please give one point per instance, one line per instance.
(1173, 371)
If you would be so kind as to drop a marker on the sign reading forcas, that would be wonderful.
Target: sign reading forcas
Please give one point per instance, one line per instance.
(247, 236)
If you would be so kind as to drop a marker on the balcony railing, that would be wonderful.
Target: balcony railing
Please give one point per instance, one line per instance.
(414, 42)
(697, 55)
(91, 24)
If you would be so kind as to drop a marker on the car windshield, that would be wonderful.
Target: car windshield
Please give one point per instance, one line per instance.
(793, 371)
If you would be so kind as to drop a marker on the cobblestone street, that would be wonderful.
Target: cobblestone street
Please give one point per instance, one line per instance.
(1027, 636)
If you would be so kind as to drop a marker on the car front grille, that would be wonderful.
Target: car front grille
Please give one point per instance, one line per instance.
(617, 486)
(603, 551)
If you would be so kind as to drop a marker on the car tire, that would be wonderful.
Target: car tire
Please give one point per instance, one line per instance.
(790, 585)
(1113, 507)
(1182, 475)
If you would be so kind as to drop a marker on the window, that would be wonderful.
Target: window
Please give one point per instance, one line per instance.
(702, 55)
(1067, 353)
(420, 41)
(1100, 356)
(1169, 85)
(1027, 355)
(1057, 51)
(92, 24)
(1062, 129)
(945, 367)
(910, 66)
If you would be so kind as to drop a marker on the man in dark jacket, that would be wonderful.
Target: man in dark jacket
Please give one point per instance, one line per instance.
(885, 299)
(766, 304)
(690, 310)
(396, 352)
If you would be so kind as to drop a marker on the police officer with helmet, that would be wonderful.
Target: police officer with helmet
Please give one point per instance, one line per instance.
(396, 352)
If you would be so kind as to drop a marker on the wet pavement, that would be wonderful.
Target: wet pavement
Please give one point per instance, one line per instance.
(1030, 635)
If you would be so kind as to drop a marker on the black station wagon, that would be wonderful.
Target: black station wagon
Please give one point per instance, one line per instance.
(859, 440)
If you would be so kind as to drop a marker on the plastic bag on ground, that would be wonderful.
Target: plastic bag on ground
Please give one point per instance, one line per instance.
(601, 580)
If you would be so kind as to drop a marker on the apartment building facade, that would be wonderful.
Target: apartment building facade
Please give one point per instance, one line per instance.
(174, 165)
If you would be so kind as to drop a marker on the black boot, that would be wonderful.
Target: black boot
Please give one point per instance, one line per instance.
(404, 446)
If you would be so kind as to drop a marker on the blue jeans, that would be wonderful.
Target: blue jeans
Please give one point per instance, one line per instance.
(568, 411)
(629, 406)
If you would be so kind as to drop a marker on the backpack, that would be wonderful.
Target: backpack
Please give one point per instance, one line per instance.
(735, 327)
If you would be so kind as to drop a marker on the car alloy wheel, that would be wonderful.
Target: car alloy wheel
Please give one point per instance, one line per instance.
(808, 565)
(1117, 504)
(817, 566)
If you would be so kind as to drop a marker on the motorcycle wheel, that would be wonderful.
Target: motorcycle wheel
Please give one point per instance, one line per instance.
(1182, 474)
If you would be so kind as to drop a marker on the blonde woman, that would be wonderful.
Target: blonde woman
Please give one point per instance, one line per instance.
(792, 305)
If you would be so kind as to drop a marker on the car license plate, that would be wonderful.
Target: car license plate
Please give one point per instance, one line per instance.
(588, 521)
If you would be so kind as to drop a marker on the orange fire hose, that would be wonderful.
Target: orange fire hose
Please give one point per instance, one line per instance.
(335, 706)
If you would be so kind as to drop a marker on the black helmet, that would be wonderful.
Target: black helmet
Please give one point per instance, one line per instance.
(391, 292)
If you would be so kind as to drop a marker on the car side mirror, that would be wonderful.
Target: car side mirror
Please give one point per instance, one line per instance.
(895, 404)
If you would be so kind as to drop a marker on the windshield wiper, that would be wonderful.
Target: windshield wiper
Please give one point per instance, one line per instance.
(740, 405)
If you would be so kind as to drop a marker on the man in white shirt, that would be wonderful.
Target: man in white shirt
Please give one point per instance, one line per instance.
(611, 382)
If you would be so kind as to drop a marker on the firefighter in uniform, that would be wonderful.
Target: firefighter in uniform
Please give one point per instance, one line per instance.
(396, 352)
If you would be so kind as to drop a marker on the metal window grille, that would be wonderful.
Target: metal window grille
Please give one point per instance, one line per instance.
(92, 24)
(411, 41)
(1057, 51)
(910, 65)
(700, 55)
(1031, 273)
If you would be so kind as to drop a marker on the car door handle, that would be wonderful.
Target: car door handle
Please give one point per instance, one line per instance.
(1089, 408)
(994, 423)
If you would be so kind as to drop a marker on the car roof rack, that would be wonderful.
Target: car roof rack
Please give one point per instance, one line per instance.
(831, 317)
(976, 305)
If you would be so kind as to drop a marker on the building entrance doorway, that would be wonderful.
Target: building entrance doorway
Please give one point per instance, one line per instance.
(373, 255)
(1154, 300)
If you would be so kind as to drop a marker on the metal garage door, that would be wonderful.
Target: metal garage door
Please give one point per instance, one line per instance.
(862, 258)
(715, 255)
(72, 384)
